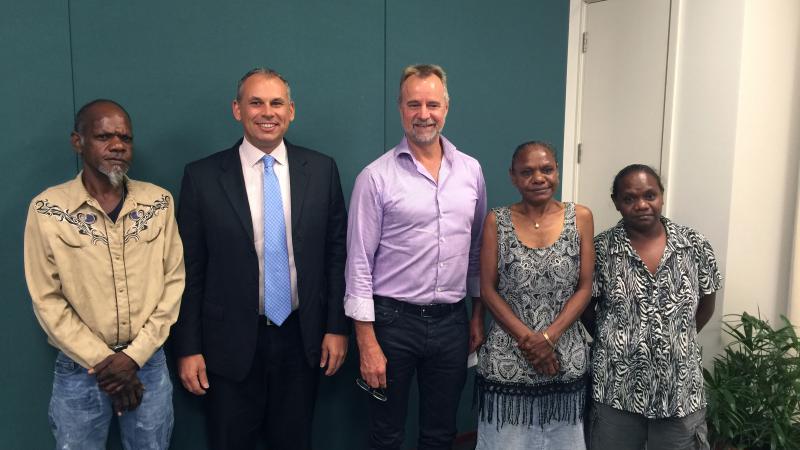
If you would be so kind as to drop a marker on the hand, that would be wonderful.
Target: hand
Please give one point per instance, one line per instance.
(334, 350)
(373, 364)
(115, 372)
(548, 366)
(534, 346)
(539, 353)
(128, 398)
(192, 372)
(477, 335)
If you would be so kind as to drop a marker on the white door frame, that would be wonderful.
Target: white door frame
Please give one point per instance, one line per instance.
(574, 83)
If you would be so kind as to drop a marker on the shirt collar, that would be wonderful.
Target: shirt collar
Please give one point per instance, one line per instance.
(448, 149)
(620, 243)
(78, 195)
(252, 155)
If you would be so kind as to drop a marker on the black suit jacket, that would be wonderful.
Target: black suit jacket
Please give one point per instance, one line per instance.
(219, 311)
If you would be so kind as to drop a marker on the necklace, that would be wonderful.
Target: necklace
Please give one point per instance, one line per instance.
(536, 224)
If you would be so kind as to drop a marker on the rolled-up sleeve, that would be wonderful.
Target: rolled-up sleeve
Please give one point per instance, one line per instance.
(364, 224)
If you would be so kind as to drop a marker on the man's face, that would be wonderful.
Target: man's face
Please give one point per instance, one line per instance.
(423, 109)
(265, 111)
(105, 142)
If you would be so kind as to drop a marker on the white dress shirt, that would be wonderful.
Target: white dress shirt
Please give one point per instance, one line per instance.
(253, 171)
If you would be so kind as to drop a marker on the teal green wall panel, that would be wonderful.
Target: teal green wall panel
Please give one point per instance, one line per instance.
(174, 65)
(506, 66)
(35, 119)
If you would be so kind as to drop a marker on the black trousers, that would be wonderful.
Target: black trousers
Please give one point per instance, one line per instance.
(275, 400)
(436, 349)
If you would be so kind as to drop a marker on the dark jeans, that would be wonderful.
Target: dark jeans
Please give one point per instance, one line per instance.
(436, 349)
(275, 399)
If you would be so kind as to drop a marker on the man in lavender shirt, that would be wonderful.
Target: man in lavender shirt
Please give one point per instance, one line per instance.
(413, 241)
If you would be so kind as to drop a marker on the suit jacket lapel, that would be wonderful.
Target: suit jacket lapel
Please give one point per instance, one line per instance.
(232, 182)
(298, 180)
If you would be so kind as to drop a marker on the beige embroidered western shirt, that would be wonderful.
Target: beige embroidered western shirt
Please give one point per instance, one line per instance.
(96, 283)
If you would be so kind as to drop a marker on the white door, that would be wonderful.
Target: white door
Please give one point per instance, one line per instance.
(622, 96)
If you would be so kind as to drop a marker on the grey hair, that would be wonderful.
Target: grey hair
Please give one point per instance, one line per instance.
(423, 71)
(267, 72)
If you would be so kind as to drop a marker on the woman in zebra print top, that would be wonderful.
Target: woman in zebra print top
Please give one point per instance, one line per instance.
(654, 287)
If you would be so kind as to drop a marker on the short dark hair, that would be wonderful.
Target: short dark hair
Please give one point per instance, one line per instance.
(83, 114)
(634, 168)
(533, 144)
(267, 72)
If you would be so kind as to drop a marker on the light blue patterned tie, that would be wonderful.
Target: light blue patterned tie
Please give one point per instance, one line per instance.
(277, 284)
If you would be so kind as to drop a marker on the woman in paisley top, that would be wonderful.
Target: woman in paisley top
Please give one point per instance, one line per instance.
(536, 273)
(654, 287)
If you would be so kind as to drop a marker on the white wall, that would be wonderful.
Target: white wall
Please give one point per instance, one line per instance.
(732, 143)
(703, 133)
(734, 146)
(767, 148)
(794, 283)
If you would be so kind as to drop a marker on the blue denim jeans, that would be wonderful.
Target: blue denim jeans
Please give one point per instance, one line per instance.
(80, 413)
(551, 436)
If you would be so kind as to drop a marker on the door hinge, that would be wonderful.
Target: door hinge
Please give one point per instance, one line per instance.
(580, 151)
(584, 42)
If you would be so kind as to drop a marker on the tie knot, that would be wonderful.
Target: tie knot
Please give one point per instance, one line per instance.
(268, 161)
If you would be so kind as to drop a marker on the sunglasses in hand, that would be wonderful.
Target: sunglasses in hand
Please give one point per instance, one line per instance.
(377, 393)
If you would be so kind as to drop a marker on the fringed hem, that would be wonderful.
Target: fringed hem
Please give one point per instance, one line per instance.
(515, 403)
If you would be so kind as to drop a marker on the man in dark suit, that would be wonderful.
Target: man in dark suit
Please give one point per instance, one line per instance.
(263, 225)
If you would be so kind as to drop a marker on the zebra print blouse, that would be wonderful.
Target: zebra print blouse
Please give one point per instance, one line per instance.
(646, 358)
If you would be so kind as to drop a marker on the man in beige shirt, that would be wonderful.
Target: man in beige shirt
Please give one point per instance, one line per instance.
(104, 267)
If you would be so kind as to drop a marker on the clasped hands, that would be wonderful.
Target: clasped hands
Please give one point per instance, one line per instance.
(538, 352)
(116, 376)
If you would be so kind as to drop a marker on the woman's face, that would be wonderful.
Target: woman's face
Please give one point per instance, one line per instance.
(639, 200)
(535, 174)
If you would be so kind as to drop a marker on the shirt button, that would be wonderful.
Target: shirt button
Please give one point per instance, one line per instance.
(121, 290)
(439, 289)
(441, 265)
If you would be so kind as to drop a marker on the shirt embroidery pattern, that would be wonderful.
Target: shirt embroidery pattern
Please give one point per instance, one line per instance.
(141, 217)
(83, 222)
(646, 358)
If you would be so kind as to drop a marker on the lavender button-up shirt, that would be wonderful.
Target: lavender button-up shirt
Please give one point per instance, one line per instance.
(411, 238)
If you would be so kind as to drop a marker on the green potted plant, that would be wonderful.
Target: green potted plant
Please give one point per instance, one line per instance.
(754, 389)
